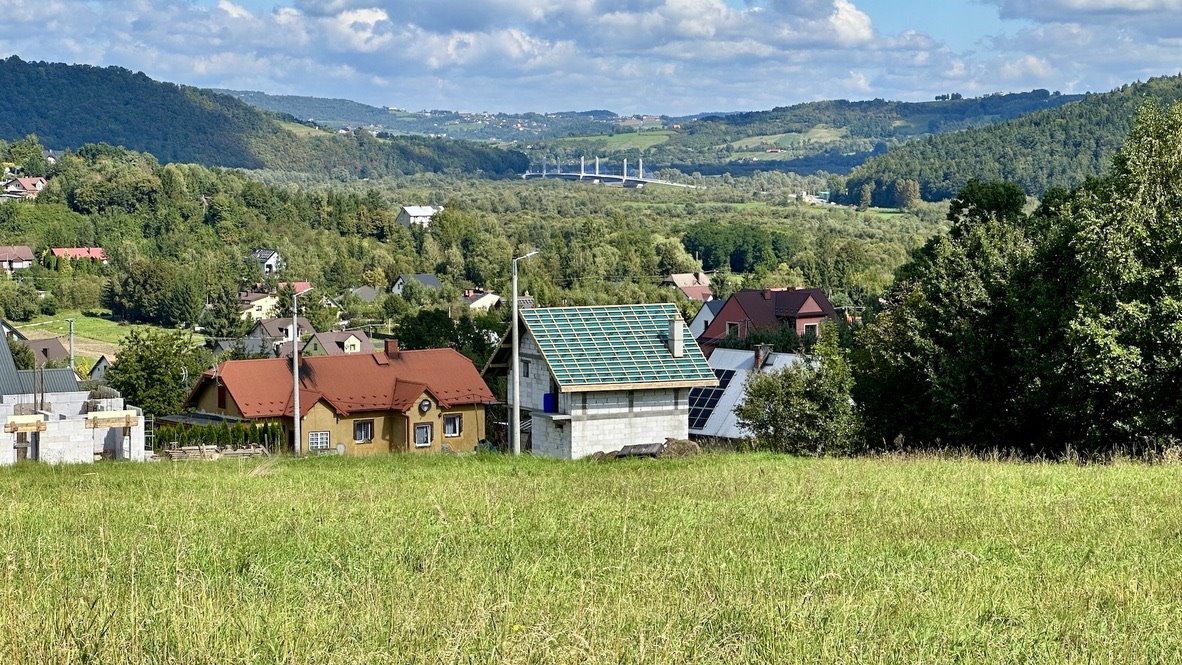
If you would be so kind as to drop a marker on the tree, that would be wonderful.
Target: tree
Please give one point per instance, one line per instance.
(804, 408)
(22, 355)
(223, 319)
(156, 369)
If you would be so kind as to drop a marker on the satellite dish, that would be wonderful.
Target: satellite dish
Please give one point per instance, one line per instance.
(425, 405)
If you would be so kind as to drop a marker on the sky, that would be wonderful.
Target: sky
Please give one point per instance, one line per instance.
(673, 57)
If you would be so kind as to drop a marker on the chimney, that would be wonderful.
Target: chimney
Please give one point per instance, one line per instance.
(676, 337)
(767, 294)
(762, 353)
(392, 350)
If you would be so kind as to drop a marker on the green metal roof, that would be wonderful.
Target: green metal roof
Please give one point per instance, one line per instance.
(589, 347)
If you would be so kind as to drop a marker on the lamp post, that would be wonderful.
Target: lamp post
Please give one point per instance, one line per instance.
(515, 422)
(295, 372)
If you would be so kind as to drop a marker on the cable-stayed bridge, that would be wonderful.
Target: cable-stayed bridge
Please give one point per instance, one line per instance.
(603, 176)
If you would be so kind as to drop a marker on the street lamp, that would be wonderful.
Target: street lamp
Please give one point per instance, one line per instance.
(515, 422)
(295, 373)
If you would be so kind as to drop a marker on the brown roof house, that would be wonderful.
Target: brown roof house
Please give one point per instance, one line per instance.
(357, 404)
(16, 257)
(803, 310)
(337, 343)
(695, 285)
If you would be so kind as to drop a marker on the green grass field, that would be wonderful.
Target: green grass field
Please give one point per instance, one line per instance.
(624, 140)
(713, 559)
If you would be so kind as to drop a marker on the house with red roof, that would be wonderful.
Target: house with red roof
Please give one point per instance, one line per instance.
(80, 253)
(22, 188)
(802, 310)
(694, 285)
(392, 400)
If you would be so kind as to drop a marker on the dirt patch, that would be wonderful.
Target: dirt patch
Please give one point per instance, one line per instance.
(82, 346)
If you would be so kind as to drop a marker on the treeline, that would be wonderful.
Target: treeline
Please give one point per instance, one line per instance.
(1053, 148)
(1044, 333)
(68, 106)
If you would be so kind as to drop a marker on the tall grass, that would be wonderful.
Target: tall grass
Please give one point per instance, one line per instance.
(715, 559)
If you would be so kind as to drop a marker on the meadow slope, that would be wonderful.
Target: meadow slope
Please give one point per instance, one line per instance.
(715, 559)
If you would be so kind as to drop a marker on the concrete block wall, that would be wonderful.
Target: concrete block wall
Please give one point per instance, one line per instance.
(67, 441)
(550, 441)
(537, 384)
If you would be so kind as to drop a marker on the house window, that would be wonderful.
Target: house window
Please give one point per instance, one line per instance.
(453, 424)
(525, 368)
(810, 330)
(318, 440)
(363, 431)
(424, 433)
(732, 328)
(221, 397)
(258, 308)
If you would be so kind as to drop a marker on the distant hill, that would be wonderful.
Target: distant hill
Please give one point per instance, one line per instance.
(834, 135)
(1054, 148)
(503, 127)
(68, 106)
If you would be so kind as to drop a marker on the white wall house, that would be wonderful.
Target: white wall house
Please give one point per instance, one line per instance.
(600, 378)
(48, 418)
(417, 215)
(705, 317)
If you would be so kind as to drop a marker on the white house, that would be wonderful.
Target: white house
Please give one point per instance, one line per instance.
(418, 215)
(705, 317)
(600, 378)
(712, 410)
(48, 417)
(269, 260)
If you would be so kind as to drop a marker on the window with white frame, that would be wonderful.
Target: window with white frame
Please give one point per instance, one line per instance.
(453, 424)
(363, 431)
(424, 433)
(318, 440)
(811, 330)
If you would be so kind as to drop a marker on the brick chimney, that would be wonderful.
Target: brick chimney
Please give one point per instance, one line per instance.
(392, 350)
(762, 353)
(676, 337)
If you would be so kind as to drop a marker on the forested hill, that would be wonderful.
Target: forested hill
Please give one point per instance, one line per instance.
(1054, 148)
(324, 111)
(68, 106)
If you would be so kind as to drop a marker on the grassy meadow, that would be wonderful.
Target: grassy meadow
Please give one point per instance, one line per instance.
(713, 559)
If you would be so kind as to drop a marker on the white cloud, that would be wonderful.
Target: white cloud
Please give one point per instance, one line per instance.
(674, 56)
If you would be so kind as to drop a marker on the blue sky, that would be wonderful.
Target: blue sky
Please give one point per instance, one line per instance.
(629, 56)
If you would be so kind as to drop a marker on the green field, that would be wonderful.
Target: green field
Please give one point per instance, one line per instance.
(714, 559)
(624, 140)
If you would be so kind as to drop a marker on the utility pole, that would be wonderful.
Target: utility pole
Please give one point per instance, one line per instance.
(515, 421)
(295, 373)
(71, 343)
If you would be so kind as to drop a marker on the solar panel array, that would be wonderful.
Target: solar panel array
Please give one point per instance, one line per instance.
(703, 400)
(614, 344)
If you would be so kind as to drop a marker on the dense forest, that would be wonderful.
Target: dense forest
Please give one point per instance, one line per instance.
(68, 106)
(1054, 148)
(179, 236)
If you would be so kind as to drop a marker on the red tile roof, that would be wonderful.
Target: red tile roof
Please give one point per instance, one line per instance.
(350, 384)
(95, 253)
